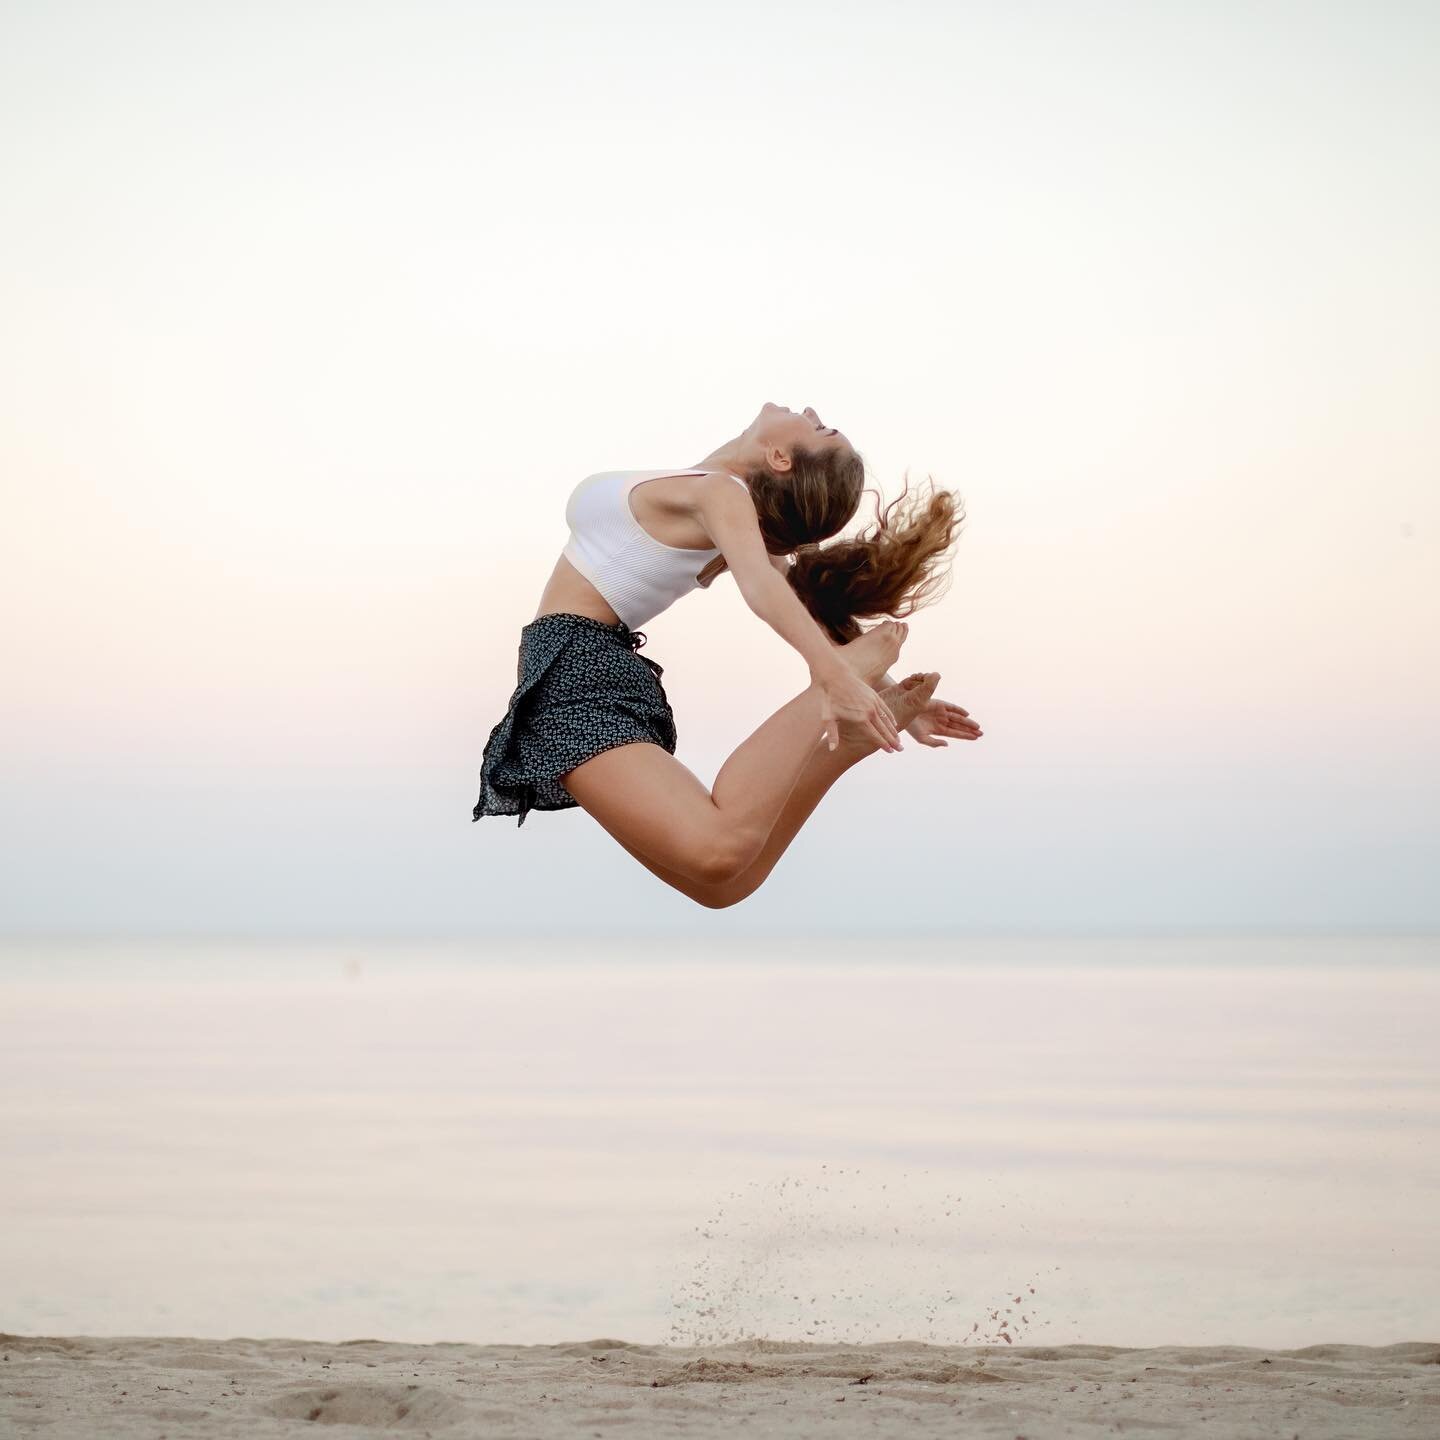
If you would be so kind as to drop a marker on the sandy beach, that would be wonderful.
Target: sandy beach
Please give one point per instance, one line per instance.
(169, 1388)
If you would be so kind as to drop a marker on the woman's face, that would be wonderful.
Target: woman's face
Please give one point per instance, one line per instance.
(777, 428)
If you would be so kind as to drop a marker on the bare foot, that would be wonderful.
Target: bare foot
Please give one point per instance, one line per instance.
(906, 700)
(873, 653)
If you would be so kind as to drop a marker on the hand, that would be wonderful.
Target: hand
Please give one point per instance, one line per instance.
(940, 718)
(845, 696)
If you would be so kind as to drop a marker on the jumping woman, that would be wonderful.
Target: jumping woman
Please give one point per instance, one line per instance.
(589, 723)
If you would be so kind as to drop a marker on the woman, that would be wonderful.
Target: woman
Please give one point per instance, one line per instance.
(589, 723)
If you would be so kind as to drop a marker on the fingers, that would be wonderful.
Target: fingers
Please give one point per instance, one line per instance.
(967, 730)
(829, 731)
(887, 735)
(955, 720)
(876, 717)
(887, 721)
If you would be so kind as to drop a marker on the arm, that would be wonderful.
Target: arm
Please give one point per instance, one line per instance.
(729, 517)
(782, 564)
(728, 514)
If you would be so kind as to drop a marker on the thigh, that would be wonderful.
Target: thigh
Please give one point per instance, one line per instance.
(652, 804)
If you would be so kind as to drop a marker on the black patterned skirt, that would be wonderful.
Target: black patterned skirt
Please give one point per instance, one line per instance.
(582, 688)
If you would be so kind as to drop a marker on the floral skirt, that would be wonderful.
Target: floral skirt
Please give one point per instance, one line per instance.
(581, 688)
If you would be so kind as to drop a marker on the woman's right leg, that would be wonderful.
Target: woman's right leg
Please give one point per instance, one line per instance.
(659, 809)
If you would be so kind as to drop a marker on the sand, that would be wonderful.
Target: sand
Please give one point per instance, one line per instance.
(166, 1389)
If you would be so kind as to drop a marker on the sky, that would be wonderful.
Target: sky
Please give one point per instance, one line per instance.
(314, 314)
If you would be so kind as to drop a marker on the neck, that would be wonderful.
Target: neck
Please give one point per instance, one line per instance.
(735, 455)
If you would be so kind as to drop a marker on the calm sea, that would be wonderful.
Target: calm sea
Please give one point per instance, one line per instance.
(1126, 1142)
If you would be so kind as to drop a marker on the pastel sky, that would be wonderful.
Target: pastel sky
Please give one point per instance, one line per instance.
(315, 313)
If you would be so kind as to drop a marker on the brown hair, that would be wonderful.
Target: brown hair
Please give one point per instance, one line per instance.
(890, 568)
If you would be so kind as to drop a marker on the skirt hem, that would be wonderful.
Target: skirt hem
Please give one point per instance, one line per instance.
(580, 690)
(523, 807)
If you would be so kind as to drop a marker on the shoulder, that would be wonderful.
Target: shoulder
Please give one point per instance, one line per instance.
(722, 486)
(720, 477)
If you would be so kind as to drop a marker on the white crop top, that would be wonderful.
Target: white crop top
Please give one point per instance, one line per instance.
(637, 574)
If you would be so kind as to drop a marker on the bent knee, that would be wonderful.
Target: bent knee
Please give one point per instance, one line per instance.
(719, 867)
(720, 898)
(727, 856)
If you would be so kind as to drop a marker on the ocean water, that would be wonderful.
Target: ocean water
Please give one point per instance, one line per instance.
(1123, 1142)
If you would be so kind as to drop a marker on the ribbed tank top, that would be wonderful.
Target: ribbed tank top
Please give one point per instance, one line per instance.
(637, 574)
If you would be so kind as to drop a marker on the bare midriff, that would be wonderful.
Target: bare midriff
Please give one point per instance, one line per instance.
(568, 592)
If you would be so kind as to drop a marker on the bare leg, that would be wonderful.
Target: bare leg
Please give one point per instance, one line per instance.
(661, 812)
(823, 769)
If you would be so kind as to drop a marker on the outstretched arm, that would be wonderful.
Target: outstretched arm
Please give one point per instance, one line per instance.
(932, 723)
(729, 517)
(728, 513)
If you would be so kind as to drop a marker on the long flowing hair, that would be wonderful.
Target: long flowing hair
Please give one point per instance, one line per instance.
(892, 567)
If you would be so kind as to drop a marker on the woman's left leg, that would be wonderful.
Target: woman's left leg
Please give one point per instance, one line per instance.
(652, 804)
(822, 770)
